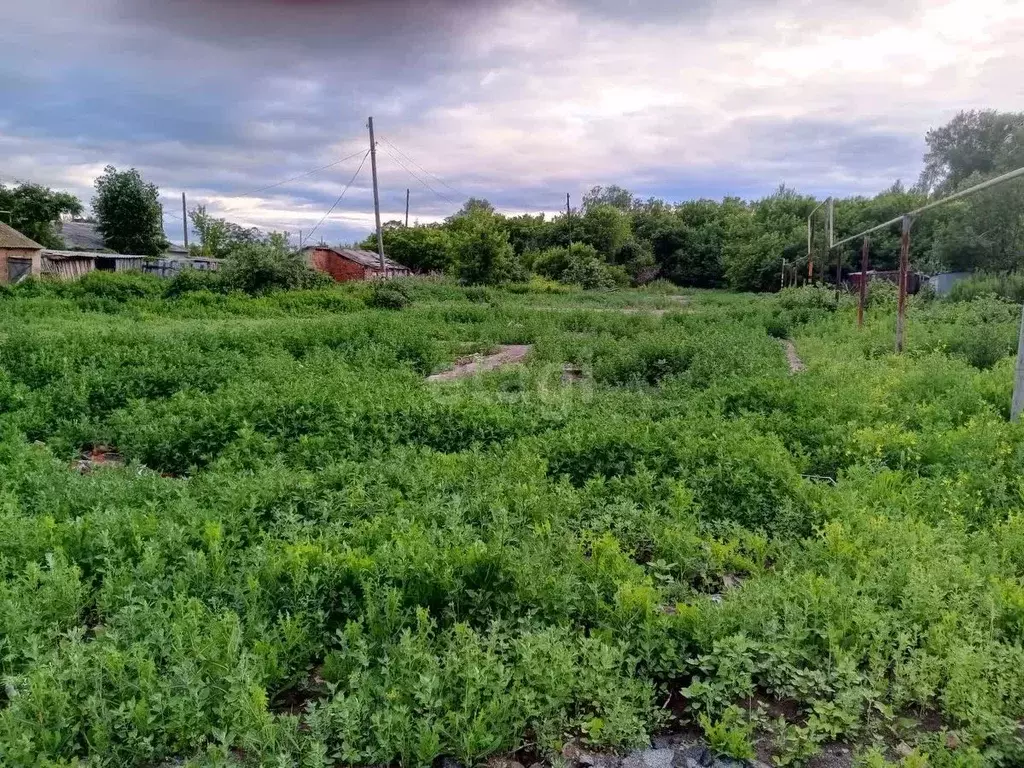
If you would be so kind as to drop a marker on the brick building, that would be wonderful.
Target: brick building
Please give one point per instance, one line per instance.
(20, 256)
(350, 264)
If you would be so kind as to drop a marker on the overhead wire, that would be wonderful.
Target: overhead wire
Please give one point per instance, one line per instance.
(301, 175)
(331, 209)
(412, 173)
(422, 169)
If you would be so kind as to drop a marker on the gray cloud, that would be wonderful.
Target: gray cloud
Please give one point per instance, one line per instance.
(518, 102)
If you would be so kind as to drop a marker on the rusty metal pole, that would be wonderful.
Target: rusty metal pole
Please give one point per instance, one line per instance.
(901, 305)
(863, 282)
(1017, 405)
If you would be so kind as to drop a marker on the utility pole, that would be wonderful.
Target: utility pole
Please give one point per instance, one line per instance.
(901, 304)
(376, 197)
(1018, 379)
(568, 217)
(184, 219)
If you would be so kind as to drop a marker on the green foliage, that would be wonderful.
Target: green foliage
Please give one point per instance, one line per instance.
(311, 555)
(35, 211)
(128, 213)
(190, 280)
(219, 238)
(260, 268)
(1005, 286)
(389, 295)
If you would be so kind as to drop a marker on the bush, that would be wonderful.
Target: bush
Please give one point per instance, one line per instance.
(1009, 286)
(190, 280)
(257, 269)
(117, 286)
(389, 295)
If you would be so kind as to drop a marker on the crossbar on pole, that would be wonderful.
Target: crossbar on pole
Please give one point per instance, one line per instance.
(935, 204)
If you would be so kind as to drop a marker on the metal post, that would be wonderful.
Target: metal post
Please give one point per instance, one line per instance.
(184, 219)
(810, 252)
(1018, 379)
(407, 207)
(901, 306)
(863, 282)
(376, 197)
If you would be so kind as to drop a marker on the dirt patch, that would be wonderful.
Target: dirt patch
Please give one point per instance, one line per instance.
(571, 373)
(98, 456)
(796, 365)
(507, 354)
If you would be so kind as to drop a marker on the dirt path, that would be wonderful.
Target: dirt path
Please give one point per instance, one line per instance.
(796, 365)
(507, 354)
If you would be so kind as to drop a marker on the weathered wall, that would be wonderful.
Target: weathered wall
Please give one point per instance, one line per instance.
(342, 270)
(20, 253)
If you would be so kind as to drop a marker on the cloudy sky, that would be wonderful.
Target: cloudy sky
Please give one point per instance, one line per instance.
(518, 102)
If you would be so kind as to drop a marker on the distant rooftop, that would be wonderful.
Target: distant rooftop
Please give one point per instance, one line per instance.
(82, 236)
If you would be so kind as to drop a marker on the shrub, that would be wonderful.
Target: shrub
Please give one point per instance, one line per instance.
(117, 286)
(258, 268)
(190, 280)
(389, 295)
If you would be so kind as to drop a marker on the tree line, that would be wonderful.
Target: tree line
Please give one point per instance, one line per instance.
(616, 238)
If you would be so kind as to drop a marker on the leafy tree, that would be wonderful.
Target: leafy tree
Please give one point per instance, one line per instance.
(218, 238)
(760, 235)
(482, 250)
(984, 232)
(528, 233)
(35, 211)
(615, 196)
(128, 213)
(422, 247)
(606, 228)
(259, 268)
(972, 142)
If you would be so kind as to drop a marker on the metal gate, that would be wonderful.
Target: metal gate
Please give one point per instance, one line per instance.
(18, 269)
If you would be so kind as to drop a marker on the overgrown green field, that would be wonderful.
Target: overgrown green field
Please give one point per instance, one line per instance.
(313, 556)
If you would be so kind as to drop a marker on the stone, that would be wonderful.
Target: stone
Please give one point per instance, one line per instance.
(696, 756)
(450, 762)
(657, 758)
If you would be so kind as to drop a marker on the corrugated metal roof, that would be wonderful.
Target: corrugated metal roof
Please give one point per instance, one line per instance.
(88, 255)
(82, 235)
(12, 238)
(366, 258)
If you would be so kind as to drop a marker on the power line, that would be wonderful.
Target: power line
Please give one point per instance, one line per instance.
(331, 209)
(424, 170)
(301, 175)
(412, 173)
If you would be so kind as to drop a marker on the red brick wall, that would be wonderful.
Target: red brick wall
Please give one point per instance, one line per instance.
(324, 260)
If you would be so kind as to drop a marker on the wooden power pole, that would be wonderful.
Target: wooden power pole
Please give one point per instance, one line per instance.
(406, 207)
(184, 219)
(376, 197)
(568, 217)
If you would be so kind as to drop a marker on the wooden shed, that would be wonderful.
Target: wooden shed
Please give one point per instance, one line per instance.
(70, 265)
(345, 264)
(20, 256)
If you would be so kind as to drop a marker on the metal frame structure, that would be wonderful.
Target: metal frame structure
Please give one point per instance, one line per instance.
(831, 203)
(906, 220)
